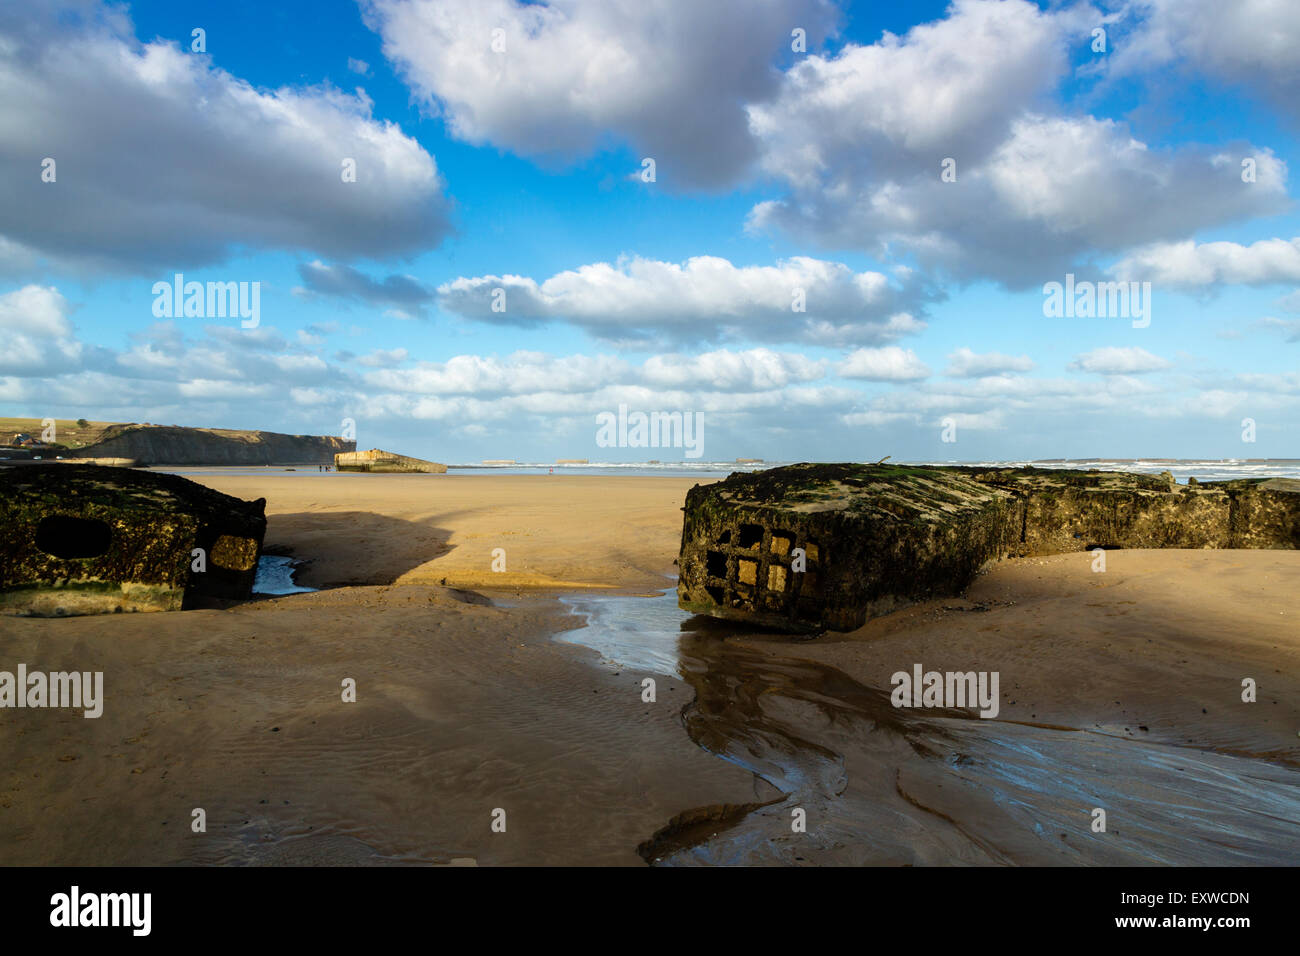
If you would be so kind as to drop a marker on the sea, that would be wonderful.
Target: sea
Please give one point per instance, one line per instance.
(1180, 468)
(1202, 469)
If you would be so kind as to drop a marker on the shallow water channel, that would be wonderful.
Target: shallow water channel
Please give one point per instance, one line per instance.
(881, 785)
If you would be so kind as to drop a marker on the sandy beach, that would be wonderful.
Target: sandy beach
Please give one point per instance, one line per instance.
(466, 704)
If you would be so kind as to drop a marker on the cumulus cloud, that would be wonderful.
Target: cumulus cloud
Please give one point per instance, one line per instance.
(860, 137)
(756, 401)
(965, 363)
(706, 298)
(487, 376)
(163, 160)
(1252, 43)
(1192, 265)
(888, 364)
(38, 338)
(1057, 193)
(1115, 360)
(670, 78)
(723, 370)
(948, 88)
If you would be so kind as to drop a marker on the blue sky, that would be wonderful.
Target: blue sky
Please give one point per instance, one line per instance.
(517, 168)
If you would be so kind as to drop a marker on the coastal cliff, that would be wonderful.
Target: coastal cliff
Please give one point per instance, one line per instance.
(174, 445)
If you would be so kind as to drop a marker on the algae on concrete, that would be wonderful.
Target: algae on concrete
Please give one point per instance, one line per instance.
(814, 546)
(88, 539)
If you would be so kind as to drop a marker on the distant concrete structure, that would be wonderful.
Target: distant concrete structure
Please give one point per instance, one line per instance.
(571, 461)
(376, 460)
(107, 462)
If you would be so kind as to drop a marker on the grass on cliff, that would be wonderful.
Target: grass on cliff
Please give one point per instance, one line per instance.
(70, 433)
(67, 431)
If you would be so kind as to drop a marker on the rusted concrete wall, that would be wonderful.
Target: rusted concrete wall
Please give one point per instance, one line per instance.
(86, 539)
(877, 537)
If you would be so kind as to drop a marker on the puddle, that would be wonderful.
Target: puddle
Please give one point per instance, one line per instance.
(882, 785)
(639, 633)
(275, 576)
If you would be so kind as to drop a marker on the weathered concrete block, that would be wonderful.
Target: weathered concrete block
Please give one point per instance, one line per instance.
(86, 539)
(386, 461)
(807, 547)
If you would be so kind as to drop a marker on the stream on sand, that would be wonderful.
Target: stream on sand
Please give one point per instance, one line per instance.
(880, 785)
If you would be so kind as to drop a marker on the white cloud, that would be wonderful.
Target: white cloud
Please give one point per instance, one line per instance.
(519, 373)
(1115, 360)
(756, 401)
(1190, 264)
(36, 337)
(1254, 43)
(1057, 192)
(166, 161)
(888, 364)
(731, 371)
(859, 138)
(948, 88)
(965, 363)
(384, 358)
(668, 77)
(705, 298)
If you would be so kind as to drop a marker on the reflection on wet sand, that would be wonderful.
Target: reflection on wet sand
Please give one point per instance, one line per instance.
(880, 785)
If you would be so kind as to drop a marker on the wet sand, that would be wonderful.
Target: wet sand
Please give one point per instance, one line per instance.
(463, 707)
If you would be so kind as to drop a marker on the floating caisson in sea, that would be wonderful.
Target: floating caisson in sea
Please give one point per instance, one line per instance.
(386, 461)
(814, 546)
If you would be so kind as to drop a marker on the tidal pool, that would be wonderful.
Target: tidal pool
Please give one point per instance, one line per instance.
(873, 784)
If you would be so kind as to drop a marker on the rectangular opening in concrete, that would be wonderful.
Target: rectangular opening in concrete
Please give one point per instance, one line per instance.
(716, 564)
(747, 572)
